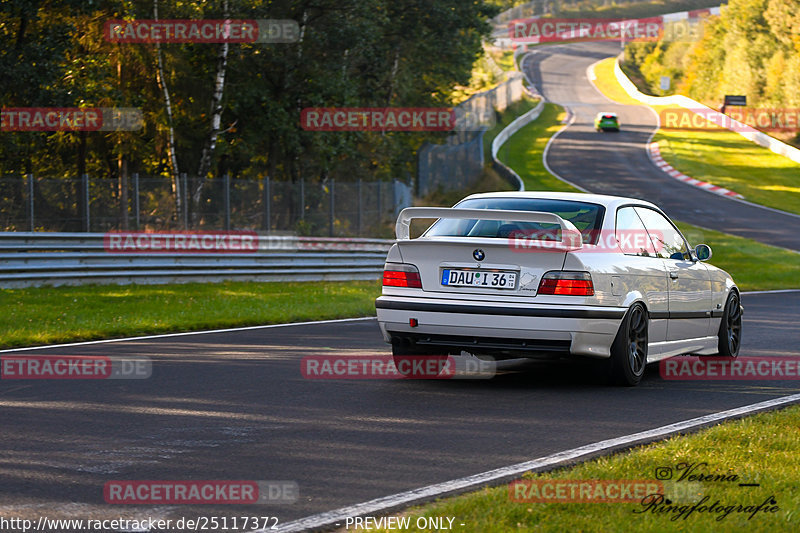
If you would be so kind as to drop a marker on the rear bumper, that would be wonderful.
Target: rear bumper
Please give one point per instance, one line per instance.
(500, 329)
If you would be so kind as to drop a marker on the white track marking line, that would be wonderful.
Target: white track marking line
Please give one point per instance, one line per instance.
(186, 333)
(495, 477)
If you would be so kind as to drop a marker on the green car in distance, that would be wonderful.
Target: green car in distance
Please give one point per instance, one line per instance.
(606, 122)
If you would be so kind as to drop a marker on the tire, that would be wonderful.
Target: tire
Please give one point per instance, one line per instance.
(404, 353)
(730, 327)
(629, 350)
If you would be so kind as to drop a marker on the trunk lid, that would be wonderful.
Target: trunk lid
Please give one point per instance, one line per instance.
(483, 263)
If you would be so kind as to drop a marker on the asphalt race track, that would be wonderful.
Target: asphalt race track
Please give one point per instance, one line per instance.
(617, 163)
(234, 405)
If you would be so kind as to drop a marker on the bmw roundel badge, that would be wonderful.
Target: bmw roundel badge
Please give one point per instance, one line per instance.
(478, 255)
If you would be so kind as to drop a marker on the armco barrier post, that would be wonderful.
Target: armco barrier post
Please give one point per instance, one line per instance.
(31, 224)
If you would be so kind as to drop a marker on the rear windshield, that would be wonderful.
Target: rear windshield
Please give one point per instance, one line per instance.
(587, 217)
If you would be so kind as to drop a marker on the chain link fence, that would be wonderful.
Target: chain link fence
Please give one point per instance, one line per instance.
(455, 165)
(458, 163)
(330, 208)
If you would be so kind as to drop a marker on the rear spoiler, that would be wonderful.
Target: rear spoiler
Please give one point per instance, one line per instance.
(570, 236)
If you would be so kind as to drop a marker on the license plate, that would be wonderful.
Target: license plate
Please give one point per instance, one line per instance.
(475, 278)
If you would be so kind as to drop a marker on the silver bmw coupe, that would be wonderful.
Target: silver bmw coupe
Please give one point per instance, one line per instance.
(531, 274)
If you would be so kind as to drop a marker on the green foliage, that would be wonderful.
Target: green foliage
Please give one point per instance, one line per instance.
(488, 71)
(358, 53)
(752, 48)
(47, 315)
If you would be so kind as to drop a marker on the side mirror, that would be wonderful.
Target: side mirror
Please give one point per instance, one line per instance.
(703, 252)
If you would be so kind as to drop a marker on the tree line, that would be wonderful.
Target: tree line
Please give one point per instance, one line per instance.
(751, 49)
(232, 108)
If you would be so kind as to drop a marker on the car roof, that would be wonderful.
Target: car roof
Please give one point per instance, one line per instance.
(607, 201)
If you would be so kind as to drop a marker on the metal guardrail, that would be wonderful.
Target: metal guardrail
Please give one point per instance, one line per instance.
(521, 121)
(34, 259)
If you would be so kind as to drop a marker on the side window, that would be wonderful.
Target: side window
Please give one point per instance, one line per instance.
(669, 242)
(631, 234)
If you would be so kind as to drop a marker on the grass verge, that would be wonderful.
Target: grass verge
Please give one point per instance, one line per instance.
(754, 266)
(46, 315)
(718, 155)
(726, 159)
(523, 151)
(759, 449)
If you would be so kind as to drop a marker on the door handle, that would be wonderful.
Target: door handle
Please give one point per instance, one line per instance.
(673, 275)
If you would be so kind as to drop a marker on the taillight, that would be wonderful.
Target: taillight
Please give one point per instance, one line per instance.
(401, 275)
(567, 283)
